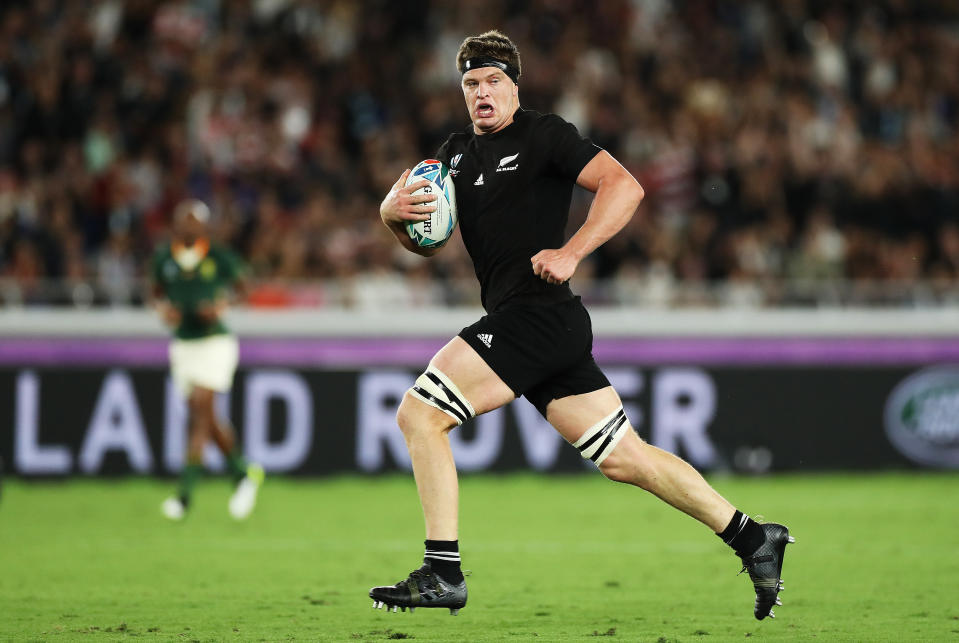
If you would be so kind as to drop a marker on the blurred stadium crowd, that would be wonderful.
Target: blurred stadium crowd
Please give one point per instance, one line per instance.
(792, 151)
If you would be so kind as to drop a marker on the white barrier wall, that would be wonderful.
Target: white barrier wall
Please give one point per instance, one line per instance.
(138, 322)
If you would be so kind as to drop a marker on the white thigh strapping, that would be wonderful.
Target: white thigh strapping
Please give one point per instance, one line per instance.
(439, 391)
(601, 438)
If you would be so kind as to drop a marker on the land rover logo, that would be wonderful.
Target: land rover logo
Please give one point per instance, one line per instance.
(922, 417)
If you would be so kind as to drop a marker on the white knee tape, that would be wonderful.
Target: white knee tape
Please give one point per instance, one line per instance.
(601, 438)
(437, 390)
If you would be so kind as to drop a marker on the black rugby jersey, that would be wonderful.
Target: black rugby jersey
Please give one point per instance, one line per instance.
(513, 190)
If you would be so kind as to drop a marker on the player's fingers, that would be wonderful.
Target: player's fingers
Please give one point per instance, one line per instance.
(399, 183)
(422, 198)
(421, 209)
(412, 215)
(413, 187)
(540, 259)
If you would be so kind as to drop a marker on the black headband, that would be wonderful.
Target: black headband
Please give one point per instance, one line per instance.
(484, 61)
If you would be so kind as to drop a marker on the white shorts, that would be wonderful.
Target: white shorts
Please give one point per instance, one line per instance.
(209, 362)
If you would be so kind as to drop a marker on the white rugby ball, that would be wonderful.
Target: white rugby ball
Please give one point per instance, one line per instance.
(435, 231)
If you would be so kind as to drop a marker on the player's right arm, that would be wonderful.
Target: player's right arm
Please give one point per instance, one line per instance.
(165, 309)
(170, 315)
(401, 206)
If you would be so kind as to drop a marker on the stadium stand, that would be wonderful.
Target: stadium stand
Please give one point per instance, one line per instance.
(794, 153)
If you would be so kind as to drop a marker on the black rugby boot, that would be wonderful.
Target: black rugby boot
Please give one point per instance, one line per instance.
(423, 588)
(765, 566)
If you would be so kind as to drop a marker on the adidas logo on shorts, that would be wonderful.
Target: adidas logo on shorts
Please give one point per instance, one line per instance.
(486, 338)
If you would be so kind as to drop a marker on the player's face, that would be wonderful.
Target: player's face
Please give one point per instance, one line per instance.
(189, 229)
(491, 98)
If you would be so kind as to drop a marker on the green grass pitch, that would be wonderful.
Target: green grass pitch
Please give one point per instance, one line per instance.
(553, 559)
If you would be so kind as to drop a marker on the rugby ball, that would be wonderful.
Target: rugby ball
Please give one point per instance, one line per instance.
(435, 231)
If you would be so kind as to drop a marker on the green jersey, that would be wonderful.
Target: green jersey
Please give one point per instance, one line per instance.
(188, 290)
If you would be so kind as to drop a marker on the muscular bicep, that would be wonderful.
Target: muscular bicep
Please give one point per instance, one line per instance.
(602, 167)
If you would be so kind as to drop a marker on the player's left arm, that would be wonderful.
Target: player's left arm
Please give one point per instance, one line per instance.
(157, 298)
(618, 195)
(235, 290)
(239, 288)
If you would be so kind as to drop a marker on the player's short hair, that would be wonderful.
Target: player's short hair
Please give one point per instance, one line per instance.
(198, 209)
(492, 44)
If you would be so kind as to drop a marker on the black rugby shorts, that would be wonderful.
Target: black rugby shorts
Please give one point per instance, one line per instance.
(543, 352)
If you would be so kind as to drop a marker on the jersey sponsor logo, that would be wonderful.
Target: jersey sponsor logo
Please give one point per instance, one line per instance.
(479, 181)
(504, 163)
(486, 338)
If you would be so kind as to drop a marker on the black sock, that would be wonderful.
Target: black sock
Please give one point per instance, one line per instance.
(743, 534)
(444, 559)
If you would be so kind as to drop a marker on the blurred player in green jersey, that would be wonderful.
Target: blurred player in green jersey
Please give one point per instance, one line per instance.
(192, 281)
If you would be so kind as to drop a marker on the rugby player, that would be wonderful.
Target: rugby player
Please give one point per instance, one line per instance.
(192, 279)
(514, 172)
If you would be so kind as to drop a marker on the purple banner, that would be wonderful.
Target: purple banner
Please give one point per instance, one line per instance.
(415, 352)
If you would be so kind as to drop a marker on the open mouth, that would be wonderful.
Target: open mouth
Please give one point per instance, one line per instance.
(484, 110)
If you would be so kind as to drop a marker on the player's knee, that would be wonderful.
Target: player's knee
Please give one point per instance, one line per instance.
(194, 404)
(406, 415)
(616, 468)
(414, 417)
(620, 467)
(433, 403)
(628, 464)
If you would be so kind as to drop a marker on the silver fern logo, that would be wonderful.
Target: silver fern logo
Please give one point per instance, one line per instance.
(504, 163)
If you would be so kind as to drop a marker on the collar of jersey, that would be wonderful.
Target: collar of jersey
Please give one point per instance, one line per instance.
(202, 246)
